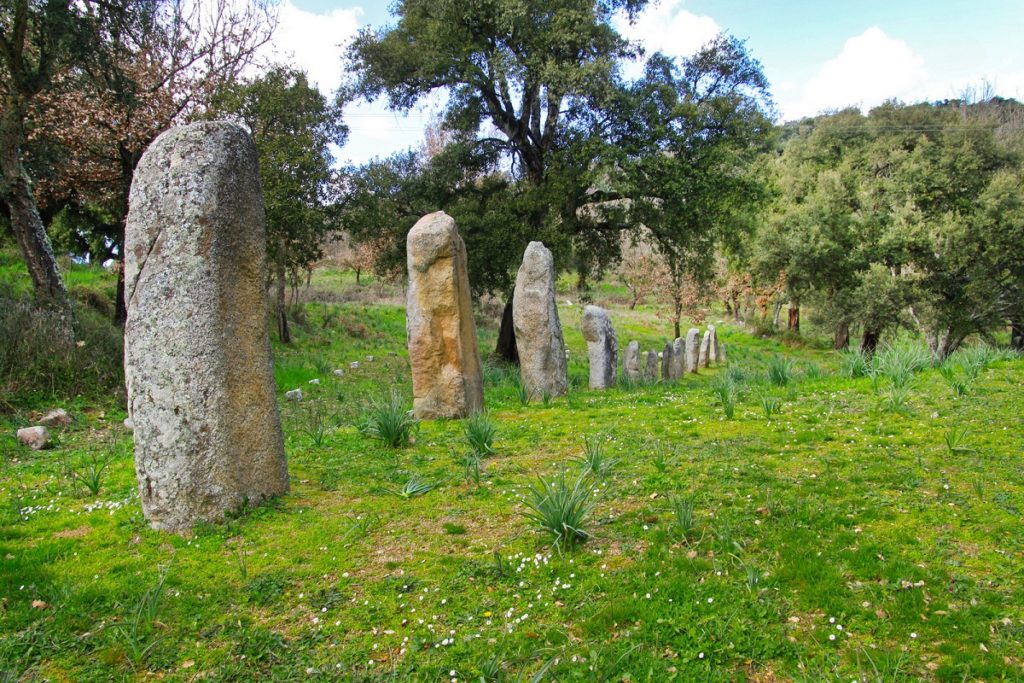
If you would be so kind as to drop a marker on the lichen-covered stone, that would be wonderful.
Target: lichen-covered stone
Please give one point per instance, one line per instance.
(197, 355)
(631, 361)
(443, 350)
(705, 344)
(538, 330)
(666, 362)
(713, 345)
(651, 367)
(692, 349)
(678, 359)
(602, 347)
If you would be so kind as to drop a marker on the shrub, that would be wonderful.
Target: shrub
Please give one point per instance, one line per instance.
(898, 362)
(770, 405)
(560, 509)
(389, 420)
(726, 391)
(34, 359)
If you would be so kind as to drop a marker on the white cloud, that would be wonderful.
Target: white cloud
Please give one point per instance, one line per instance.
(314, 42)
(871, 68)
(666, 27)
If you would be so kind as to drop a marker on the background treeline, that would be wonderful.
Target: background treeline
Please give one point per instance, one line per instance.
(675, 181)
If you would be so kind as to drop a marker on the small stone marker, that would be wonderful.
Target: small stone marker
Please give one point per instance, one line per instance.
(339, 373)
(197, 355)
(713, 346)
(446, 377)
(692, 349)
(37, 438)
(666, 362)
(631, 361)
(651, 367)
(705, 345)
(57, 417)
(293, 395)
(538, 330)
(602, 347)
(354, 365)
(678, 360)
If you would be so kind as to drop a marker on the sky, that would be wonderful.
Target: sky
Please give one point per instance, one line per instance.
(817, 54)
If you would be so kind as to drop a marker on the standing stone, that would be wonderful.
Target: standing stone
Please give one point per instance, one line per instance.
(602, 347)
(651, 367)
(443, 350)
(666, 362)
(631, 361)
(692, 349)
(705, 346)
(197, 356)
(713, 346)
(538, 331)
(678, 353)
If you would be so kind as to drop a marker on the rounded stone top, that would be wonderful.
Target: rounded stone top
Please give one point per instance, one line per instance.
(433, 237)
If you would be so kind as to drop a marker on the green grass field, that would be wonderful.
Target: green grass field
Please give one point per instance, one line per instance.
(836, 528)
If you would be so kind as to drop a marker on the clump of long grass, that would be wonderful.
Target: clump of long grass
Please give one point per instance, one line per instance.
(727, 392)
(480, 432)
(389, 420)
(594, 459)
(780, 370)
(854, 363)
(560, 509)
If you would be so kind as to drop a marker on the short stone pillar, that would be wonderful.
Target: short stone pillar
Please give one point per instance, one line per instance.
(602, 347)
(678, 360)
(197, 361)
(703, 356)
(631, 361)
(692, 349)
(666, 362)
(651, 367)
(713, 346)
(538, 331)
(447, 381)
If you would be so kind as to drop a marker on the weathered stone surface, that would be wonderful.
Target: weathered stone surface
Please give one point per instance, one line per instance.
(538, 330)
(666, 362)
(293, 395)
(36, 438)
(58, 417)
(339, 372)
(692, 349)
(602, 347)
(631, 361)
(197, 356)
(354, 365)
(443, 350)
(713, 346)
(315, 381)
(129, 424)
(705, 345)
(678, 359)
(651, 367)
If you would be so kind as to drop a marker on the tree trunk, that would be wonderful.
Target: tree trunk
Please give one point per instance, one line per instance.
(358, 272)
(1017, 335)
(282, 315)
(842, 339)
(36, 250)
(942, 344)
(678, 335)
(869, 342)
(506, 347)
(120, 306)
(794, 318)
(778, 314)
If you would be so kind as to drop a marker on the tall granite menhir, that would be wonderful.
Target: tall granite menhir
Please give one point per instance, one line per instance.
(197, 356)
(443, 350)
(538, 331)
